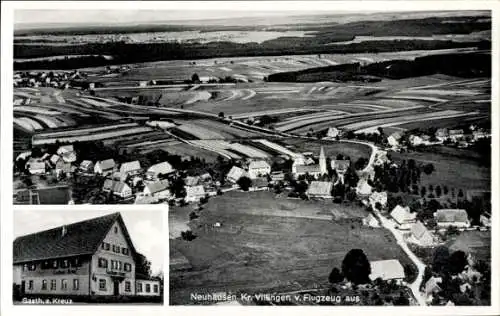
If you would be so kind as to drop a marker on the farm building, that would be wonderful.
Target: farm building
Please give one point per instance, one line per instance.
(371, 221)
(117, 187)
(194, 193)
(485, 221)
(87, 166)
(258, 168)
(277, 176)
(320, 189)
(442, 134)
(54, 159)
(332, 132)
(456, 134)
(403, 216)
(416, 140)
(477, 135)
(381, 158)
(95, 257)
(104, 167)
(432, 287)
(363, 188)
(24, 155)
(387, 270)
(65, 149)
(235, 174)
(394, 139)
(157, 189)
(380, 197)
(191, 181)
(421, 234)
(260, 183)
(63, 167)
(35, 166)
(130, 168)
(159, 168)
(452, 217)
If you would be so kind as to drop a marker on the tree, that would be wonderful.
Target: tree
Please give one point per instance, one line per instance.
(402, 300)
(428, 168)
(460, 193)
(188, 235)
(440, 259)
(195, 78)
(142, 267)
(356, 267)
(221, 115)
(423, 191)
(178, 188)
(335, 276)
(457, 262)
(438, 191)
(244, 183)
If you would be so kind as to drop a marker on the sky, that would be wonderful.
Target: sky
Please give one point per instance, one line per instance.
(145, 228)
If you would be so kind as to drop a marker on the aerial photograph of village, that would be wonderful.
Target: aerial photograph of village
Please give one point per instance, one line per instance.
(316, 158)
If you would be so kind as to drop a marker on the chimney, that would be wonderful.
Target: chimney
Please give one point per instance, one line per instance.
(64, 231)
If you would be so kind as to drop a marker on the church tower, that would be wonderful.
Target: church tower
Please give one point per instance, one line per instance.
(322, 161)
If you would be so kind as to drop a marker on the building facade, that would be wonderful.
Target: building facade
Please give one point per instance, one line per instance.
(92, 258)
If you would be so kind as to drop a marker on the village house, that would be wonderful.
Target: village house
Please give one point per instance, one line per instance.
(158, 189)
(260, 183)
(86, 166)
(479, 134)
(394, 139)
(91, 258)
(387, 270)
(332, 132)
(371, 221)
(416, 140)
(63, 168)
(67, 153)
(432, 288)
(442, 134)
(340, 166)
(104, 167)
(277, 176)
(456, 134)
(130, 168)
(235, 174)
(363, 189)
(381, 158)
(320, 189)
(403, 217)
(378, 197)
(194, 193)
(117, 187)
(299, 166)
(192, 181)
(485, 221)
(421, 234)
(35, 166)
(452, 217)
(162, 168)
(258, 168)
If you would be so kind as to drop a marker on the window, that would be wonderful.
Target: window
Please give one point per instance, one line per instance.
(120, 265)
(116, 230)
(31, 267)
(25, 267)
(107, 246)
(30, 285)
(116, 249)
(46, 264)
(125, 251)
(54, 264)
(103, 245)
(102, 263)
(139, 287)
(44, 284)
(102, 284)
(75, 262)
(76, 284)
(64, 263)
(127, 267)
(127, 286)
(155, 288)
(52, 285)
(64, 284)
(148, 288)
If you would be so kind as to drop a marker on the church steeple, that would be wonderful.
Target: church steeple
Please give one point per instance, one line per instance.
(322, 161)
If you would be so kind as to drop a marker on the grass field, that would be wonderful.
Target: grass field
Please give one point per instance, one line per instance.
(332, 149)
(259, 249)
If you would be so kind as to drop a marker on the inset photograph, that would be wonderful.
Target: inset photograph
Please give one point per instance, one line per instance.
(68, 257)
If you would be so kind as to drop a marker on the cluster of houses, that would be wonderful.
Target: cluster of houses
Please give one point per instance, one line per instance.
(54, 79)
(462, 138)
(60, 163)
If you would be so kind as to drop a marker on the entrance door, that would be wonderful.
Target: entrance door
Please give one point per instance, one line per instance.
(116, 288)
(23, 287)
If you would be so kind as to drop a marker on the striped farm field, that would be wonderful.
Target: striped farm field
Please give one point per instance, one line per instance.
(277, 148)
(86, 136)
(417, 98)
(35, 110)
(49, 121)
(219, 147)
(27, 124)
(201, 132)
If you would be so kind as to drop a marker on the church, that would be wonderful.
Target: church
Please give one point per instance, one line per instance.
(300, 167)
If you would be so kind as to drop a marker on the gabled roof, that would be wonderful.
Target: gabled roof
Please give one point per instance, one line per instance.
(402, 214)
(308, 169)
(260, 182)
(114, 185)
(81, 238)
(387, 270)
(363, 187)
(158, 186)
(396, 135)
(320, 188)
(86, 164)
(341, 165)
(54, 159)
(65, 149)
(195, 190)
(451, 216)
(258, 164)
(162, 167)
(431, 286)
(456, 131)
(130, 166)
(419, 230)
(106, 164)
(235, 173)
(36, 164)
